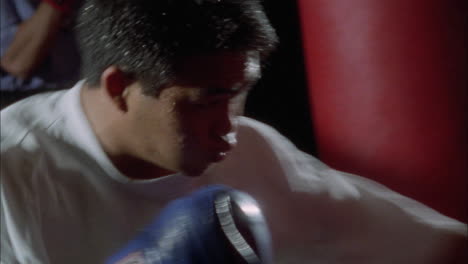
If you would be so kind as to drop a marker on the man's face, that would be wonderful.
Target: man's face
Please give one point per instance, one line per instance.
(193, 123)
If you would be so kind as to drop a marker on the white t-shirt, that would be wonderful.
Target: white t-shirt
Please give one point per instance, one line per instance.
(63, 201)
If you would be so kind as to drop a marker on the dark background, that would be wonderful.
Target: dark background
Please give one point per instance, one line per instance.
(280, 99)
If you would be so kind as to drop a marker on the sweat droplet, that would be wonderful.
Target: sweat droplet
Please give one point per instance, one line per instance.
(230, 138)
(181, 139)
(172, 107)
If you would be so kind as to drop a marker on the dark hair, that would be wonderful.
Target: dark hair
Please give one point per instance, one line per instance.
(146, 38)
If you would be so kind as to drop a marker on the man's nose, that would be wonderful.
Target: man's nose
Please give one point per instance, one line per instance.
(226, 126)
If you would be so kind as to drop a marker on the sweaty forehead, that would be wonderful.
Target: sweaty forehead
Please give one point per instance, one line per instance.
(223, 71)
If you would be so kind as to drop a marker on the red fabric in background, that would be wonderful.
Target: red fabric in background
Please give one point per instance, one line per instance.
(388, 93)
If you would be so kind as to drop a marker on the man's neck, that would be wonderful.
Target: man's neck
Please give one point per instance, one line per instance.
(138, 169)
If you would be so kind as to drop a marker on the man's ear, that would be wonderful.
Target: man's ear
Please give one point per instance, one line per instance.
(115, 83)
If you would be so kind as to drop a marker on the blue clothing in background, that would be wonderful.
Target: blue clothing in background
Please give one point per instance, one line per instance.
(59, 69)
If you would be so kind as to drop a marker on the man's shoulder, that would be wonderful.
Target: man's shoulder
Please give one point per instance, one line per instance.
(255, 132)
(35, 113)
(29, 129)
(252, 127)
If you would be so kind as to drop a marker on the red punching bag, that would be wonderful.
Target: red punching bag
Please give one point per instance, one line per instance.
(388, 93)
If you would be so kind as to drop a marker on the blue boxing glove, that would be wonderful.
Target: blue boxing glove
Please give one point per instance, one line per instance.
(215, 224)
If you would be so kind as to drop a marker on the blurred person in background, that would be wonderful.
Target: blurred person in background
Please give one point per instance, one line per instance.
(38, 47)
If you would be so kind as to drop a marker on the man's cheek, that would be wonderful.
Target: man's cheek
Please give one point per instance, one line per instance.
(196, 127)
